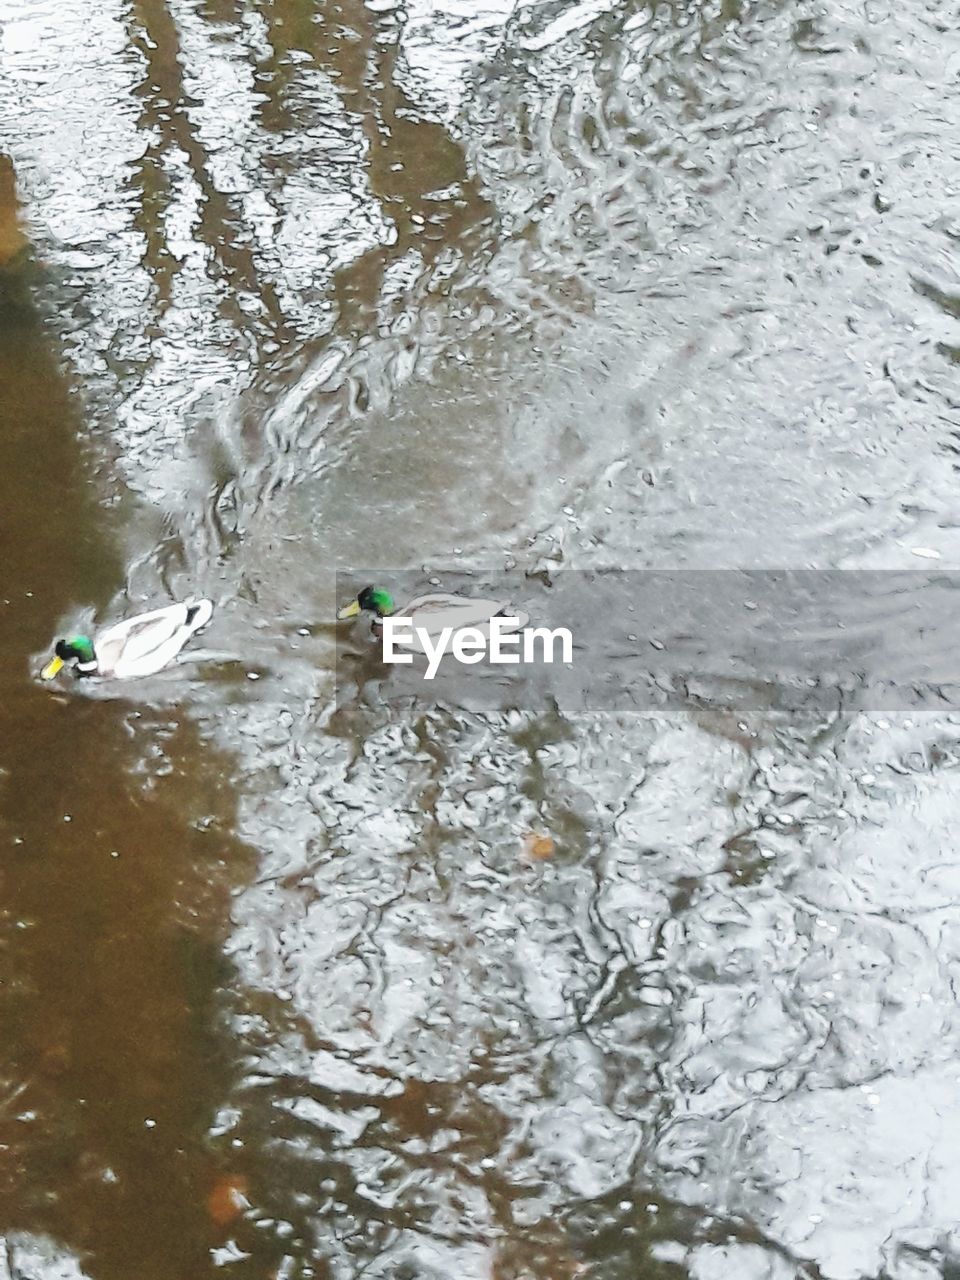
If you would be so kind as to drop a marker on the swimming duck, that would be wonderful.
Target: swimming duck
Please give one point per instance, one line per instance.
(139, 646)
(431, 613)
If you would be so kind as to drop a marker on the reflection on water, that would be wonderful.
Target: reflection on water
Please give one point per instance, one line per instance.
(118, 861)
(556, 285)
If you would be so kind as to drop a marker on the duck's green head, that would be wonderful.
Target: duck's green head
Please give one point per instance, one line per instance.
(78, 649)
(370, 600)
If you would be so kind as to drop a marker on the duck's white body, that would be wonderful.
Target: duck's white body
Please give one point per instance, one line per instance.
(433, 613)
(143, 645)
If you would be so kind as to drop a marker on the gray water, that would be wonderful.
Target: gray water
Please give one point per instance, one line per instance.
(441, 290)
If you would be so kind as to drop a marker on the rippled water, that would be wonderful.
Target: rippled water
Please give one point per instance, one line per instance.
(450, 289)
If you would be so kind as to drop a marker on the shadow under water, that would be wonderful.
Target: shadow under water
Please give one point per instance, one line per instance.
(118, 863)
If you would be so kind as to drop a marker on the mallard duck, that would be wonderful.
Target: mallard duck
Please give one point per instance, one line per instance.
(431, 613)
(140, 646)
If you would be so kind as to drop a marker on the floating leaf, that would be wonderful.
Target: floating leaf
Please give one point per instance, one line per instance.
(227, 1199)
(539, 846)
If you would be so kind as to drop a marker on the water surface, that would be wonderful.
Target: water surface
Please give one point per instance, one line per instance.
(440, 290)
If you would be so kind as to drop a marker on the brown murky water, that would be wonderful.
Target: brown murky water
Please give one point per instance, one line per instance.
(297, 987)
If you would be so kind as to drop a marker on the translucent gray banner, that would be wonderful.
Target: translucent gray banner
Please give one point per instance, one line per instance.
(887, 639)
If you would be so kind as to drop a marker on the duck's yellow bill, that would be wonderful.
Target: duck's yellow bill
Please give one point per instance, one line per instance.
(349, 610)
(53, 667)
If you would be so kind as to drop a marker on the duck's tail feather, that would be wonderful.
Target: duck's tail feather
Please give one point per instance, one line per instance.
(199, 613)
